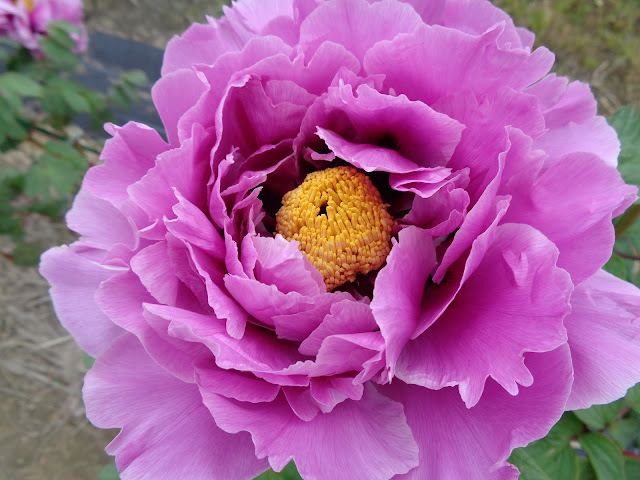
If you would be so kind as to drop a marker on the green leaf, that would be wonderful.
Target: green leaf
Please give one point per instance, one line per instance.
(624, 431)
(626, 121)
(632, 398)
(632, 468)
(61, 36)
(586, 471)
(74, 99)
(136, 77)
(598, 416)
(18, 84)
(290, 472)
(27, 254)
(56, 173)
(529, 469)
(88, 361)
(57, 54)
(605, 456)
(109, 472)
(617, 266)
(64, 26)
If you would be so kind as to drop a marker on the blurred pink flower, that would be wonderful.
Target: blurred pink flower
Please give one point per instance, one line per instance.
(234, 284)
(25, 21)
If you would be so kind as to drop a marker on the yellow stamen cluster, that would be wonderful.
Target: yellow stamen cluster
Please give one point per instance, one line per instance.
(29, 4)
(338, 217)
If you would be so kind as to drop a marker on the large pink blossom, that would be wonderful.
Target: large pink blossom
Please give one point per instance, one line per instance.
(25, 21)
(222, 347)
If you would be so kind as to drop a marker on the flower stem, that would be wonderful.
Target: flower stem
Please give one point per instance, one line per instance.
(62, 137)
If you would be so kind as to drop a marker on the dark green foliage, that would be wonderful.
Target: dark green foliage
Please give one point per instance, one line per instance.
(39, 99)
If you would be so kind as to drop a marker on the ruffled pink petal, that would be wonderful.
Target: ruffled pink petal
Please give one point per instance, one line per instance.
(257, 351)
(100, 223)
(281, 263)
(241, 386)
(431, 12)
(192, 226)
(185, 169)
(594, 136)
(419, 133)
(199, 44)
(173, 95)
(162, 420)
(572, 203)
(128, 156)
(374, 424)
(475, 17)
(456, 442)
(397, 294)
(440, 214)
(356, 24)
(345, 317)
(478, 64)
(490, 125)
(74, 279)
(121, 298)
(514, 302)
(293, 315)
(562, 102)
(604, 336)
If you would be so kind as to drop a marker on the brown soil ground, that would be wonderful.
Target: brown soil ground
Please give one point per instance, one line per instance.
(43, 432)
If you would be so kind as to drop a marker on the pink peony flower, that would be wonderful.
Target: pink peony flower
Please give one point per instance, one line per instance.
(25, 21)
(372, 243)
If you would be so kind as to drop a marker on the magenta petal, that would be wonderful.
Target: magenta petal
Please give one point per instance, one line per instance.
(356, 24)
(562, 102)
(573, 203)
(128, 156)
(281, 263)
(514, 302)
(478, 64)
(199, 44)
(173, 95)
(185, 169)
(162, 420)
(346, 317)
(121, 298)
(100, 223)
(604, 336)
(233, 384)
(477, 16)
(374, 423)
(74, 280)
(398, 290)
(594, 136)
(256, 351)
(488, 432)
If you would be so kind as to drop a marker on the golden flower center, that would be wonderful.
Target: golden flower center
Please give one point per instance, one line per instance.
(338, 217)
(29, 4)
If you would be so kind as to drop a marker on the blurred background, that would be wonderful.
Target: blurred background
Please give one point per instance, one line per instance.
(43, 431)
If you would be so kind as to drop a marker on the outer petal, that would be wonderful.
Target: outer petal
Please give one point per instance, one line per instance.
(162, 420)
(604, 336)
(478, 64)
(324, 447)
(74, 279)
(356, 24)
(513, 303)
(473, 444)
(199, 44)
(573, 203)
